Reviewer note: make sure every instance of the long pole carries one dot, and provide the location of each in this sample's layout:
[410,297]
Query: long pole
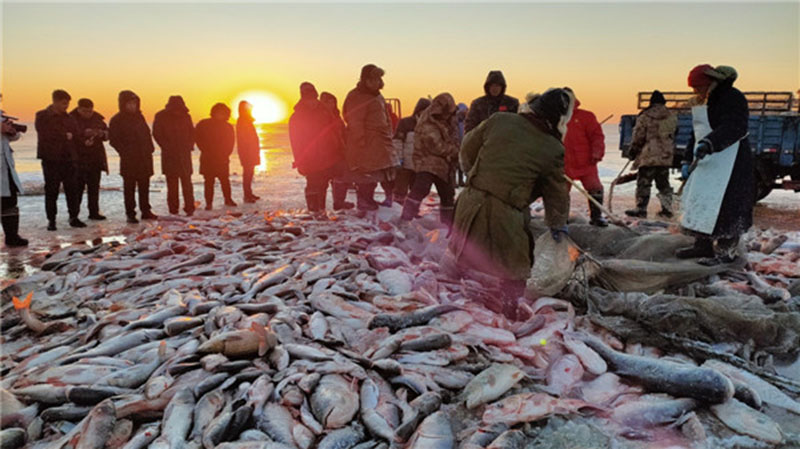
[608,213]
[614,183]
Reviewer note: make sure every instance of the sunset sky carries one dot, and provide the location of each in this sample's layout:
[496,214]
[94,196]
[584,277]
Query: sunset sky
[211,52]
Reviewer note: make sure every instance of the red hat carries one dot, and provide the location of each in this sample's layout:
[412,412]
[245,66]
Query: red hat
[698,76]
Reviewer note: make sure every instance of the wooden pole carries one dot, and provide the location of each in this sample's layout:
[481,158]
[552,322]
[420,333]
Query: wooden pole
[608,213]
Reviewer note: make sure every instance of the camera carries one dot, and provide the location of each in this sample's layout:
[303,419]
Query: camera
[17,127]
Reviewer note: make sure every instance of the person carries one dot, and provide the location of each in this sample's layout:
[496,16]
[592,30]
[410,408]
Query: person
[248,147]
[652,146]
[728,115]
[403,142]
[513,159]
[10,186]
[341,183]
[57,131]
[435,157]
[173,130]
[494,100]
[215,139]
[92,159]
[316,146]
[585,148]
[130,136]
[369,151]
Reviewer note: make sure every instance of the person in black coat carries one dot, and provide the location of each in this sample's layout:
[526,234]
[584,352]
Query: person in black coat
[173,130]
[57,132]
[728,116]
[248,147]
[130,136]
[92,159]
[495,100]
[215,138]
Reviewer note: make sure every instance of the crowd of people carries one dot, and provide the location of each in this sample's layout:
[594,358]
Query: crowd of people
[510,153]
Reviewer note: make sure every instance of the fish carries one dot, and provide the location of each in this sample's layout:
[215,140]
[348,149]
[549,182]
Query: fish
[650,411]
[682,380]
[209,405]
[483,436]
[238,343]
[767,392]
[744,420]
[123,429]
[529,407]
[334,401]
[396,322]
[510,439]
[564,374]
[37,326]
[12,438]
[277,422]
[435,432]
[588,357]
[420,408]
[490,384]
[344,438]
[98,427]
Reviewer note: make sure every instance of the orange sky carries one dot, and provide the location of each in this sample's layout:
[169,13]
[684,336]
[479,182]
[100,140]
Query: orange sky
[212,52]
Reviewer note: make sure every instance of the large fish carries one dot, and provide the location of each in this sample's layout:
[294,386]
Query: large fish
[334,402]
[435,432]
[529,407]
[490,384]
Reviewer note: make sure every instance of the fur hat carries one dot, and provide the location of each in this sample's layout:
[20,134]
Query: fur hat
[555,107]
[700,76]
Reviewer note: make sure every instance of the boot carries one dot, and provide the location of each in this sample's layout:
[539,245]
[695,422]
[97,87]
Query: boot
[51,225]
[10,223]
[641,208]
[339,193]
[76,223]
[312,202]
[364,196]
[410,209]
[725,252]
[703,247]
[666,204]
[387,202]
[596,214]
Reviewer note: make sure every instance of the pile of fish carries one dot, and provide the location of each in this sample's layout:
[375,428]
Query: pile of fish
[284,330]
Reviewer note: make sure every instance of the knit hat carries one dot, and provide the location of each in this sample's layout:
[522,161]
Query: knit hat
[85,103]
[700,76]
[657,98]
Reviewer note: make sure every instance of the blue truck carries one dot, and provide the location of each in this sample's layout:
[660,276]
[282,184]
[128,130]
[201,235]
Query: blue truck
[774,136]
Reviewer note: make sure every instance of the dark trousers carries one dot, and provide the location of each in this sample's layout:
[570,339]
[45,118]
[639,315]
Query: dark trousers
[247,180]
[130,184]
[56,174]
[317,189]
[208,187]
[89,180]
[403,181]
[185,182]
[421,188]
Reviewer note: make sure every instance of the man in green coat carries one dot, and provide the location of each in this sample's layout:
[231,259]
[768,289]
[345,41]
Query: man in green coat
[511,160]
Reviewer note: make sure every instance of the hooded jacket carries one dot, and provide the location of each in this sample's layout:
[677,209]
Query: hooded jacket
[403,139]
[653,137]
[483,107]
[174,132]
[436,139]
[130,137]
[248,146]
[215,139]
[368,137]
[91,151]
[584,143]
[315,135]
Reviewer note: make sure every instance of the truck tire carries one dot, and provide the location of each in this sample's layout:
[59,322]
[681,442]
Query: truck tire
[763,186]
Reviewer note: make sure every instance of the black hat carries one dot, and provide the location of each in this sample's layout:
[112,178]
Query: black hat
[85,103]
[371,71]
[657,98]
[551,105]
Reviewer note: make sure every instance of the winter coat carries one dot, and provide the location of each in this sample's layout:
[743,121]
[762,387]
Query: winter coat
[173,130]
[584,142]
[436,139]
[483,107]
[7,166]
[728,115]
[403,139]
[215,139]
[248,145]
[512,160]
[368,137]
[91,156]
[130,136]
[653,137]
[51,132]
[316,138]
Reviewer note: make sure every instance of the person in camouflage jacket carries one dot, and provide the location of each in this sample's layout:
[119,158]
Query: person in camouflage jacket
[653,145]
[435,157]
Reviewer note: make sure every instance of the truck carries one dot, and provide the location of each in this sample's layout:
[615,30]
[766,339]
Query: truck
[774,134]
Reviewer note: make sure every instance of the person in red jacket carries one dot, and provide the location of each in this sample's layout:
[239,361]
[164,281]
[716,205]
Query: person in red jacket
[585,147]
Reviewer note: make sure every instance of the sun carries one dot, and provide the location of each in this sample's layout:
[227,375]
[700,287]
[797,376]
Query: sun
[267,107]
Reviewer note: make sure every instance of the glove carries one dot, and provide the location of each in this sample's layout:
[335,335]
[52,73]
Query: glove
[633,153]
[703,149]
[685,171]
[558,234]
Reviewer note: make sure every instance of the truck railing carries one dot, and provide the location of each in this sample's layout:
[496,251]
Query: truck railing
[760,103]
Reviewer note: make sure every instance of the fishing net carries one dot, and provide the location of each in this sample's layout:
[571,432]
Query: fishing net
[553,264]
